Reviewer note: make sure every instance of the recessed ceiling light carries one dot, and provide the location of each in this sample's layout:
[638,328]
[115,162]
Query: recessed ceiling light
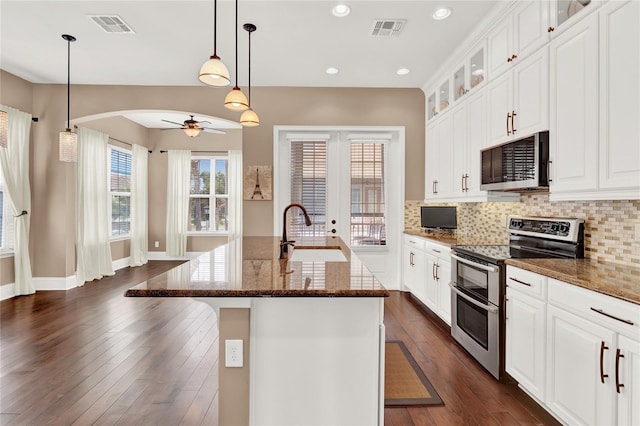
[341,10]
[332,70]
[403,71]
[441,13]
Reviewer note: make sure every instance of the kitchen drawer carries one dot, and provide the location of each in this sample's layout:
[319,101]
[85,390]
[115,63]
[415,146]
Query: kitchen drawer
[615,314]
[530,283]
[437,250]
[414,242]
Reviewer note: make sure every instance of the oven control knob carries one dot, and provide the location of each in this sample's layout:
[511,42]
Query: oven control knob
[554,227]
[564,229]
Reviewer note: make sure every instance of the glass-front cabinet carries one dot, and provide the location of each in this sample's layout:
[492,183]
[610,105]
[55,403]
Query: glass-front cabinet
[460,86]
[431,106]
[444,96]
[477,69]
[563,10]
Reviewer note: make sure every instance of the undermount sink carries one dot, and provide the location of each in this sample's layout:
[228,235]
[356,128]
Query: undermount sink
[301,254]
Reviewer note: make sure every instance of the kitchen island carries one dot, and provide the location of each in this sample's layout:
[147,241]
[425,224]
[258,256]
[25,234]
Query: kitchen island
[312,331]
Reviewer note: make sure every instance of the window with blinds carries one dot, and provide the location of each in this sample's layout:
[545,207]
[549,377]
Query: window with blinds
[120,189]
[308,187]
[367,194]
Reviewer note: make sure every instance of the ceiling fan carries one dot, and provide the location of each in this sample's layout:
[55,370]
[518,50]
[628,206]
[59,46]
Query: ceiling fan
[193,127]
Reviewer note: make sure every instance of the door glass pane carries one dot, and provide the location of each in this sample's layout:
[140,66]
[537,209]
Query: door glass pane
[459,79]
[308,187]
[473,321]
[477,68]
[431,105]
[444,96]
[367,194]
[567,8]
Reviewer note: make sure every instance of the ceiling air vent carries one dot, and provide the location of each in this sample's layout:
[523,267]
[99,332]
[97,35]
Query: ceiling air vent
[387,27]
[112,24]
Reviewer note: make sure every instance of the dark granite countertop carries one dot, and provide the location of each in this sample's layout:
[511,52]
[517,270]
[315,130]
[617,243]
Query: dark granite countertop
[250,267]
[620,281]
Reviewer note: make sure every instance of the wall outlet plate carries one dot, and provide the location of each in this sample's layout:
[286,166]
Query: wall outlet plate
[233,353]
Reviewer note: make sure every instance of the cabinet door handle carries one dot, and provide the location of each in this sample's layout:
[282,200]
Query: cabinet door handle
[549,171]
[437,251]
[509,59]
[508,117]
[434,273]
[618,384]
[435,182]
[602,348]
[550,29]
[513,57]
[411,259]
[520,282]
[513,128]
[437,267]
[466,182]
[462,183]
[601,312]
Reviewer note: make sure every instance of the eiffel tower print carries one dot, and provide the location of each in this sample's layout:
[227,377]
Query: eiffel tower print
[257,191]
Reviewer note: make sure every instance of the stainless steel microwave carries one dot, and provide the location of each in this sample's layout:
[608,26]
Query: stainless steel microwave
[519,165]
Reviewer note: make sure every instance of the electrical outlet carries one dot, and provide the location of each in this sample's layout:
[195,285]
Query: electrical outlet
[156,244]
[233,353]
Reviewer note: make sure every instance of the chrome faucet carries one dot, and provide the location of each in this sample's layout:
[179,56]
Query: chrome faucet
[284,244]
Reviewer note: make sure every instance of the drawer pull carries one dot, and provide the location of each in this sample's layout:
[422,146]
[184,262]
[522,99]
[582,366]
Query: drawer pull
[520,282]
[618,384]
[601,312]
[437,251]
[602,348]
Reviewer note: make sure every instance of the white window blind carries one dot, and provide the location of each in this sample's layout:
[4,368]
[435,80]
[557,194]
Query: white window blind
[120,189]
[209,198]
[367,193]
[308,187]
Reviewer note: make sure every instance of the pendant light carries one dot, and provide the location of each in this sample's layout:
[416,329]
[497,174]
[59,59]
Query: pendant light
[68,141]
[235,99]
[4,129]
[249,118]
[214,72]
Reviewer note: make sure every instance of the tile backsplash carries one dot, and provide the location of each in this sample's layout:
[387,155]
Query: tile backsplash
[612,228]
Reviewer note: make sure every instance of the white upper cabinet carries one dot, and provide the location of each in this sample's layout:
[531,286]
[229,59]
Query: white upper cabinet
[573,132]
[594,138]
[519,100]
[620,95]
[439,158]
[521,33]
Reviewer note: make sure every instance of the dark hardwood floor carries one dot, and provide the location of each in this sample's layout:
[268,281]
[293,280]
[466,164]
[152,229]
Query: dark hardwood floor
[91,356]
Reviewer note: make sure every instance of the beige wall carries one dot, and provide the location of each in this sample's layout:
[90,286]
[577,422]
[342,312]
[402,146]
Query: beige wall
[53,182]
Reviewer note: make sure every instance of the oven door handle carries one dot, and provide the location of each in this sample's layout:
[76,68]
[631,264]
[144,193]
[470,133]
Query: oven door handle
[475,265]
[487,308]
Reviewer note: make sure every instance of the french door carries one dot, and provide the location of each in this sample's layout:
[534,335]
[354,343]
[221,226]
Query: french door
[351,182]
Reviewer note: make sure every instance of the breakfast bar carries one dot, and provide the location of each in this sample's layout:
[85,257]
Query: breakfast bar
[310,327]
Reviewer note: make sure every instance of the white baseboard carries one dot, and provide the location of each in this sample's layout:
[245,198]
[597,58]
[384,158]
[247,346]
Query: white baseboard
[7,291]
[54,283]
[121,263]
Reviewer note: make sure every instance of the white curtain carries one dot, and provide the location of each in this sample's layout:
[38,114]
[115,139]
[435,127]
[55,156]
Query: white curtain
[92,207]
[178,201]
[235,194]
[14,161]
[139,206]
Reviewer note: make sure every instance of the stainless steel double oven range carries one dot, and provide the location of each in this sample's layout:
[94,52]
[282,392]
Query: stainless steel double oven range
[478,281]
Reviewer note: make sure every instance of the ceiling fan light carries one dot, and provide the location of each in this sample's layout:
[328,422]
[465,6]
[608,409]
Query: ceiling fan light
[192,132]
[214,73]
[249,118]
[68,145]
[4,129]
[236,100]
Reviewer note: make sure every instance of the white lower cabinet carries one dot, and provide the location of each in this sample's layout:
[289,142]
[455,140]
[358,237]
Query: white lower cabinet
[579,369]
[628,381]
[574,350]
[525,342]
[426,274]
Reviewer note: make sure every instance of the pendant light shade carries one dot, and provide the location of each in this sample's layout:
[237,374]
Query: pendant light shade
[68,141]
[249,118]
[235,99]
[4,129]
[214,72]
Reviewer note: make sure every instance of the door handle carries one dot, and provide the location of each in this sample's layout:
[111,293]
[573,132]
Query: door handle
[435,185]
[437,267]
[488,308]
[462,183]
[513,129]
[508,117]
[433,271]
[602,348]
[411,259]
[473,264]
[618,384]
[466,182]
